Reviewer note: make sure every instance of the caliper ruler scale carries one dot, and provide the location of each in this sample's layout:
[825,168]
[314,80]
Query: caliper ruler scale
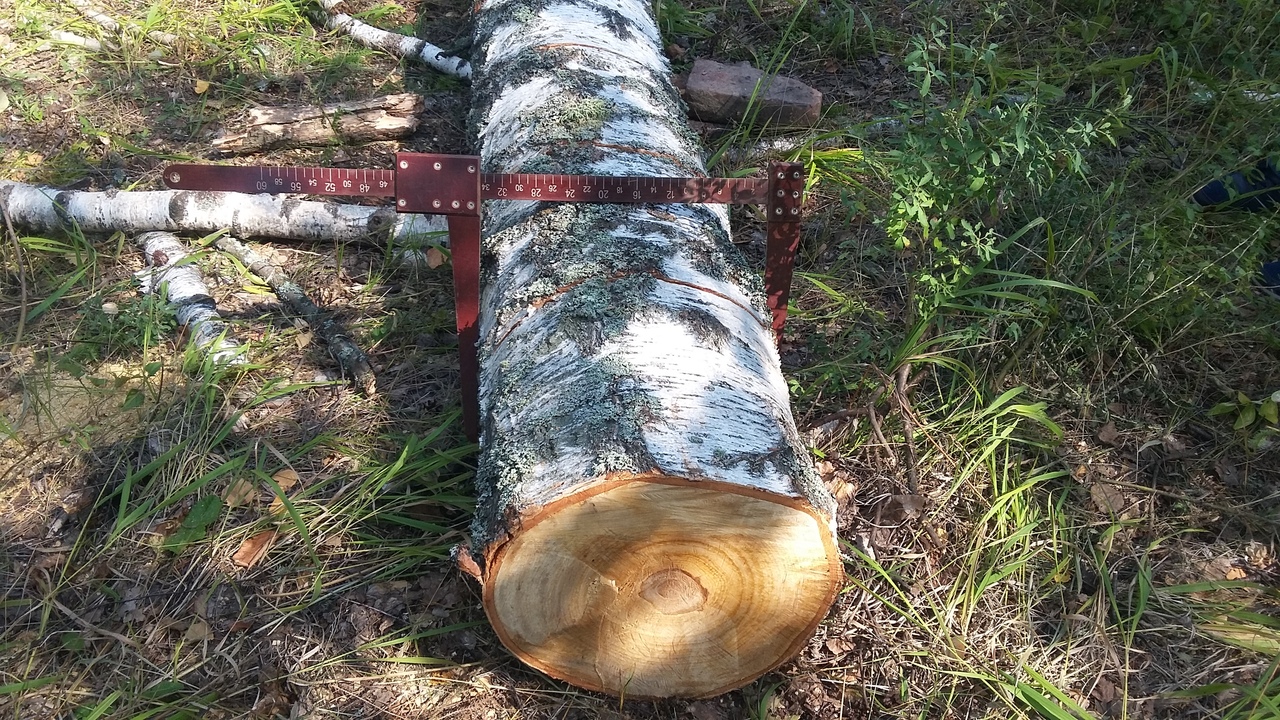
[452,185]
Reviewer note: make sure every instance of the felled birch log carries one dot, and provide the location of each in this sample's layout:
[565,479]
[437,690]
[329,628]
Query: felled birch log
[382,118]
[402,46]
[170,270]
[45,209]
[649,523]
[350,358]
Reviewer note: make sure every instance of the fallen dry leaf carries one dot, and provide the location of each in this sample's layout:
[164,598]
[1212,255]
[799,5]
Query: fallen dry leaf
[1236,573]
[1226,471]
[253,549]
[1109,435]
[435,258]
[198,631]
[826,470]
[912,505]
[1104,690]
[286,479]
[1107,498]
[241,492]
[202,86]
[303,339]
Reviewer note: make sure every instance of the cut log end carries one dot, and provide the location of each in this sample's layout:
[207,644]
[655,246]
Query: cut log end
[661,587]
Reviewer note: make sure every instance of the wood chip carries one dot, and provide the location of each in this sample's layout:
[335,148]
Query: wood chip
[252,550]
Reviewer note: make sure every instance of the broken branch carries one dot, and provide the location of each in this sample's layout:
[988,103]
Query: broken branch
[350,358]
[169,266]
[396,44]
[382,118]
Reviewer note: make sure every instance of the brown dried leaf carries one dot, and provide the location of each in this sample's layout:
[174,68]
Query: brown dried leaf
[912,505]
[1109,435]
[826,470]
[1107,498]
[198,631]
[1226,471]
[286,479]
[253,549]
[241,492]
[1104,690]
[277,506]
[435,258]
[1235,573]
[303,339]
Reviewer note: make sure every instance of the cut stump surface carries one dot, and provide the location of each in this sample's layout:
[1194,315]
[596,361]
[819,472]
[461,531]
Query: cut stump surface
[655,586]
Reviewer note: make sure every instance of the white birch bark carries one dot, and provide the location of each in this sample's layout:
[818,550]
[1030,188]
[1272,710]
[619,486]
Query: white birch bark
[614,339]
[110,24]
[45,209]
[402,46]
[169,270]
[648,519]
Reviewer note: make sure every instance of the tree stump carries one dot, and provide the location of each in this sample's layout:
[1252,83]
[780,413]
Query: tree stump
[649,523]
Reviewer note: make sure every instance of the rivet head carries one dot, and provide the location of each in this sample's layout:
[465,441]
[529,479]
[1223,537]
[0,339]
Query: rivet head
[436,165]
[456,204]
[795,211]
[782,176]
[781,194]
[777,211]
[435,203]
[795,193]
[471,168]
[471,205]
[404,164]
[796,175]
[401,202]
[174,177]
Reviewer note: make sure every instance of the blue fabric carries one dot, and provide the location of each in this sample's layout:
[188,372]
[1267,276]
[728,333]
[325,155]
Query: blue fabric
[1270,279]
[1254,189]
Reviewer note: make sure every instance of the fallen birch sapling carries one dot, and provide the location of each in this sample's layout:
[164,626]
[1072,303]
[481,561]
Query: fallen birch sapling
[170,269]
[350,358]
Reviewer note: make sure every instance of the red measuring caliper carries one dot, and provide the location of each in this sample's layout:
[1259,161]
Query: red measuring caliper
[453,185]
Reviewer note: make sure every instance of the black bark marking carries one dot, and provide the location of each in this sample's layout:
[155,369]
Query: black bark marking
[178,208]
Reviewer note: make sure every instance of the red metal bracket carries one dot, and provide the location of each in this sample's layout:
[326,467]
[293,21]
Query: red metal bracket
[453,185]
[786,191]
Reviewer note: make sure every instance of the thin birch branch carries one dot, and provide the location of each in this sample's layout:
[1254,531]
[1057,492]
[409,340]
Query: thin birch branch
[67,38]
[96,16]
[350,358]
[169,267]
[45,209]
[401,46]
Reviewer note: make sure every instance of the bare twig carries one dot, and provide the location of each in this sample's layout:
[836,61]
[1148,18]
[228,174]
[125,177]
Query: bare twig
[908,428]
[396,44]
[349,356]
[91,627]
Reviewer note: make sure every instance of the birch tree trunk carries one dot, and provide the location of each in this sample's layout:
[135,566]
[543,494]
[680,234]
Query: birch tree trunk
[649,523]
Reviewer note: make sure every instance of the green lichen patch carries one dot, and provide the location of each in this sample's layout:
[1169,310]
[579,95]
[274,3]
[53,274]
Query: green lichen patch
[599,411]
